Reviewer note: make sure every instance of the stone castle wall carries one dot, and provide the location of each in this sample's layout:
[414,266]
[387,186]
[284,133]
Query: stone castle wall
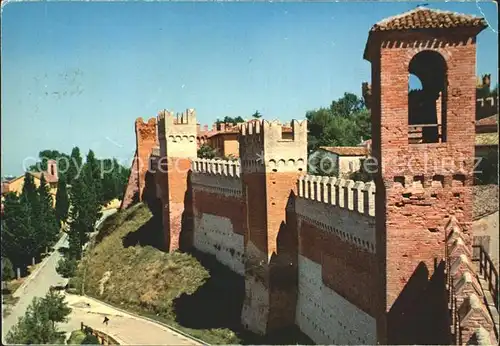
[311,249]
[218,211]
[337,260]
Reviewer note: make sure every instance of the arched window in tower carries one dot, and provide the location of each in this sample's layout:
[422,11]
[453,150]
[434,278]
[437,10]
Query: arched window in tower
[427,98]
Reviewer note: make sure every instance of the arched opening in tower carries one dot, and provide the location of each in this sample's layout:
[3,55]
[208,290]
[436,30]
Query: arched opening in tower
[427,86]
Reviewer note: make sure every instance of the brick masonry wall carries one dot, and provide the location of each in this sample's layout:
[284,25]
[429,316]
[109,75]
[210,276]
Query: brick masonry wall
[147,139]
[132,184]
[177,203]
[279,187]
[327,317]
[255,311]
[411,217]
[218,226]
[339,244]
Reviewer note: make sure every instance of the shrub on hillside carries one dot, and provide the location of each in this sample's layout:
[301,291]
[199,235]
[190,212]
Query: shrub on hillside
[143,278]
[7,269]
[66,267]
[90,340]
[76,337]
[38,325]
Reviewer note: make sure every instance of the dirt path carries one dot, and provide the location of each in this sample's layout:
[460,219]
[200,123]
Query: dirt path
[125,328]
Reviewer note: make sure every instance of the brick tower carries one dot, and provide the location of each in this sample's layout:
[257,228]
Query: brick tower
[177,137]
[272,158]
[423,141]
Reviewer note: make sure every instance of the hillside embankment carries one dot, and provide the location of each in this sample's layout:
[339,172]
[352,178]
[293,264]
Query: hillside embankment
[124,268]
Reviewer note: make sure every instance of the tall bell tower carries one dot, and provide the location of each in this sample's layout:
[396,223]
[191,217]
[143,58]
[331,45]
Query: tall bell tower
[423,142]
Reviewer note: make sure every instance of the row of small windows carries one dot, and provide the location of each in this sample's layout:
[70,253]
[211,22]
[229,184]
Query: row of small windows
[437,180]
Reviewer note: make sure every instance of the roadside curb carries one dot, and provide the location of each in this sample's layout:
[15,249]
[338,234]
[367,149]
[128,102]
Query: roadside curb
[173,329]
[44,262]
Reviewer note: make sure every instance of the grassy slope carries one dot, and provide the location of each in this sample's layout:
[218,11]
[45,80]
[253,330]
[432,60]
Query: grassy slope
[143,279]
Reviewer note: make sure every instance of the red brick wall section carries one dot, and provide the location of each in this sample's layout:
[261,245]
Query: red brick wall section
[176,187]
[254,195]
[346,269]
[132,185]
[410,222]
[279,186]
[147,139]
[220,205]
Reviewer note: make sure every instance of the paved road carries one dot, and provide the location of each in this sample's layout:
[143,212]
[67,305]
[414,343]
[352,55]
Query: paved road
[125,328]
[39,283]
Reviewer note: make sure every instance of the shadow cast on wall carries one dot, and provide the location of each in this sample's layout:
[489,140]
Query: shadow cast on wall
[420,314]
[186,236]
[151,232]
[216,304]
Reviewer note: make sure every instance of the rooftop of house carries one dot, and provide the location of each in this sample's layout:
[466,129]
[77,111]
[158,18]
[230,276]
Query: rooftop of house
[347,151]
[425,18]
[491,120]
[49,178]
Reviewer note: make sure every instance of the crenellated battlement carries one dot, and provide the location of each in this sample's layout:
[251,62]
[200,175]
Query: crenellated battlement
[177,133]
[465,294]
[487,101]
[353,195]
[270,144]
[217,176]
[145,129]
[216,167]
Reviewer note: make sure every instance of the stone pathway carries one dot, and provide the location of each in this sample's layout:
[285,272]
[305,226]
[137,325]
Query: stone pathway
[127,329]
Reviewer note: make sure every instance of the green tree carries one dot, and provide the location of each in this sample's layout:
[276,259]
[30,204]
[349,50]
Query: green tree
[38,325]
[7,270]
[62,200]
[29,188]
[93,173]
[345,123]
[347,105]
[90,339]
[257,115]
[206,152]
[230,120]
[324,165]
[20,240]
[66,267]
[56,308]
[75,165]
[79,216]
[49,226]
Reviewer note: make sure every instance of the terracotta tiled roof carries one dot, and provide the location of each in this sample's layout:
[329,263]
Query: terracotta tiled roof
[492,120]
[347,151]
[49,178]
[424,18]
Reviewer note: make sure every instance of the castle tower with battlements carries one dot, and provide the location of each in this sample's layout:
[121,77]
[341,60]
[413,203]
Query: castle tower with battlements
[177,139]
[270,166]
[425,155]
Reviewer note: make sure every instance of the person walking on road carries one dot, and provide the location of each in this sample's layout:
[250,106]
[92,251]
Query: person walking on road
[106,320]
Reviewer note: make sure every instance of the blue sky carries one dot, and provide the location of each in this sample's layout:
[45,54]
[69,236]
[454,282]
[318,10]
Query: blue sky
[80,73]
